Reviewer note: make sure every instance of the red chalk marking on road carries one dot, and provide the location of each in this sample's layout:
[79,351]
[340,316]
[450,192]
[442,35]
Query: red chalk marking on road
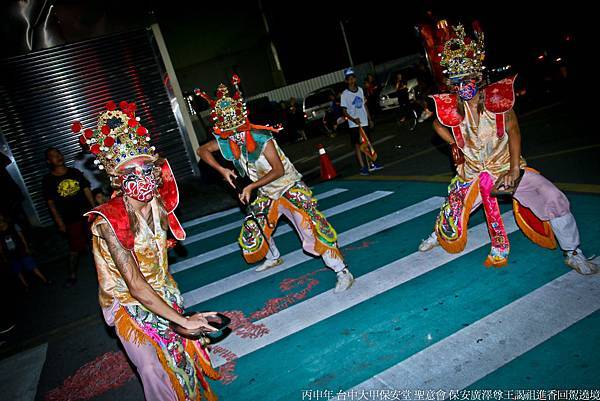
[275,305]
[363,245]
[244,327]
[112,369]
[227,371]
[106,372]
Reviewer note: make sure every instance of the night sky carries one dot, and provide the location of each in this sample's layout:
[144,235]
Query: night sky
[309,39]
[307,33]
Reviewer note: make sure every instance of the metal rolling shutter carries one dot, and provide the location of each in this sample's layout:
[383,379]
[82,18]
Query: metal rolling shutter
[44,91]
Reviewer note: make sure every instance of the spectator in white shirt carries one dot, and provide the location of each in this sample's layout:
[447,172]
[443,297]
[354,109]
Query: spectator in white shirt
[355,109]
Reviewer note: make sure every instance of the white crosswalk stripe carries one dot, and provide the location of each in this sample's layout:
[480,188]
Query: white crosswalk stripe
[325,305]
[237,224]
[470,354]
[233,210]
[452,363]
[233,247]
[294,258]
[210,217]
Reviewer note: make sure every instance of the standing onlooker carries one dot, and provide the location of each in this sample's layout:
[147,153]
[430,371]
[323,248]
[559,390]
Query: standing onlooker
[84,162]
[282,113]
[426,87]
[282,119]
[372,93]
[355,109]
[8,294]
[335,115]
[12,197]
[99,196]
[68,195]
[402,96]
[15,253]
[296,122]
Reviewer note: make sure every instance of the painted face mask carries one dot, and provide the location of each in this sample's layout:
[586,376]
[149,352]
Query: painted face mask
[139,183]
[467,91]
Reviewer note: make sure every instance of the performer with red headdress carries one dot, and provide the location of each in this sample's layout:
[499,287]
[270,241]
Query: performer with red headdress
[255,153]
[481,127]
[137,294]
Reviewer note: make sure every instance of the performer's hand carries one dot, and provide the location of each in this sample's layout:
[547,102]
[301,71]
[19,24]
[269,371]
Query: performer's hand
[246,194]
[510,177]
[457,155]
[61,226]
[229,176]
[356,121]
[198,321]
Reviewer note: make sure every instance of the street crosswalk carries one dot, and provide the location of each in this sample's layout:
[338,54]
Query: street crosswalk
[489,343]
[419,321]
[296,257]
[236,224]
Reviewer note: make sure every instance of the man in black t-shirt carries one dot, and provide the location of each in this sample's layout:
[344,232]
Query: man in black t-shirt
[68,195]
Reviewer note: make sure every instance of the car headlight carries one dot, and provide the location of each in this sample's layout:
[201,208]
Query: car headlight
[384,97]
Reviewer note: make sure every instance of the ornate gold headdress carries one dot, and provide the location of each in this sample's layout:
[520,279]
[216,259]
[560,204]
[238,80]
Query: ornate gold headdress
[118,138]
[462,56]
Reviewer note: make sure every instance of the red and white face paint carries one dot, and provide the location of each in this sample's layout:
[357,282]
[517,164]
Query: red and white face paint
[139,183]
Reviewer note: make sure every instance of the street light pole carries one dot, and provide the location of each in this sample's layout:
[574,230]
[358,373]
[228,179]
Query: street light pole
[279,70]
[347,44]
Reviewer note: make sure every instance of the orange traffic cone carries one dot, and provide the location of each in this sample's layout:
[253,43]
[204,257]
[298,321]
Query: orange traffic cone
[327,170]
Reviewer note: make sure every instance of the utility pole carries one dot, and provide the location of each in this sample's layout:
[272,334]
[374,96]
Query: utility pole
[347,44]
[278,73]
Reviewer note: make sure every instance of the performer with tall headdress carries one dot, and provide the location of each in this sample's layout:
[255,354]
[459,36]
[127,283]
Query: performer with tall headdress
[255,154]
[479,123]
[137,294]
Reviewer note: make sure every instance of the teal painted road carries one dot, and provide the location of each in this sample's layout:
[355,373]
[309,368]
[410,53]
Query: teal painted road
[353,345]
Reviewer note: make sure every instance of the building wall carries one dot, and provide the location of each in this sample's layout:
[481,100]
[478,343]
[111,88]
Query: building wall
[43,92]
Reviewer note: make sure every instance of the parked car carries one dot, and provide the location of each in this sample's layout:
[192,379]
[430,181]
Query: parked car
[316,104]
[387,96]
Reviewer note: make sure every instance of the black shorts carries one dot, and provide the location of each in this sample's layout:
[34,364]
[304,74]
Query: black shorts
[355,135]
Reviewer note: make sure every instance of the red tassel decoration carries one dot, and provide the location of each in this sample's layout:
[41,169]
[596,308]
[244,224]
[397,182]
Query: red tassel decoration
[250,142]
[235,149]
[458,136]
[500,125]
